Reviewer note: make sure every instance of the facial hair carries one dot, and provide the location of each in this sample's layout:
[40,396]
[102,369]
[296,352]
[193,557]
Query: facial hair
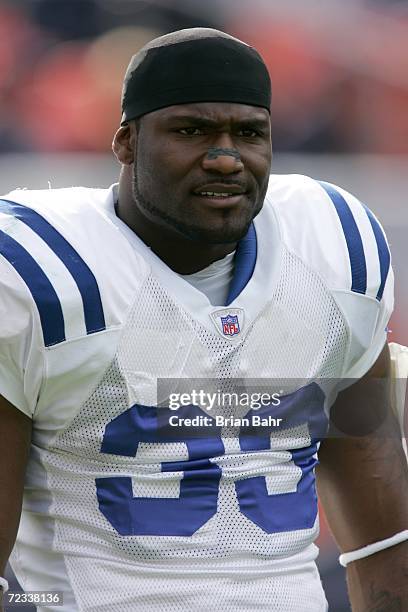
[189,231]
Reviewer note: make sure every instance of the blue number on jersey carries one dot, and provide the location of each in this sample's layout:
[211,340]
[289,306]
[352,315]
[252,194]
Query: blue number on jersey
[197,502]
[297,509]
[199,485]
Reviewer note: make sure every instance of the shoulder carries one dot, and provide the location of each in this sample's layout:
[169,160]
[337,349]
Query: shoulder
[332,232]
[73,210]
[338,238]
[74,270]
[56,207]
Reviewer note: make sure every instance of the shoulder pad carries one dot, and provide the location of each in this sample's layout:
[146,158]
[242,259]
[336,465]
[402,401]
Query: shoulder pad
[332,232]
[55,240]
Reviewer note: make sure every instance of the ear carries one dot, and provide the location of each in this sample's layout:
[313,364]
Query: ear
[123,145]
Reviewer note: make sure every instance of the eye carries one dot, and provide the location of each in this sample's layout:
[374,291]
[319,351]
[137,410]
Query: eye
[191,131]
[248,133]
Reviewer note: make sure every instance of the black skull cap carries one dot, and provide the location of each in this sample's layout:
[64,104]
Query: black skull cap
[194,65]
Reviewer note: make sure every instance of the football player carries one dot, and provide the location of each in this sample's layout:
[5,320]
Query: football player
[399,375]
[197,273]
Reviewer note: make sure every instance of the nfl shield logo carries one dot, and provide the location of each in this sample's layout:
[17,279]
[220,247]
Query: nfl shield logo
[230,325]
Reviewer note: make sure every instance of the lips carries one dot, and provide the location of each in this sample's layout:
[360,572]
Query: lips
[220,190]
[219,200]
[214,194]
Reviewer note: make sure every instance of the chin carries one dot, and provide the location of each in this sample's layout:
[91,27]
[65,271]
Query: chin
[219,227]
[224,235]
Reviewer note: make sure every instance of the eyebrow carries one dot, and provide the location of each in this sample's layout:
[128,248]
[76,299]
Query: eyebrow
[261,123]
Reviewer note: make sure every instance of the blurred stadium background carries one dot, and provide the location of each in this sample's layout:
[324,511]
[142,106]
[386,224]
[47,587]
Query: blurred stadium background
[340,89]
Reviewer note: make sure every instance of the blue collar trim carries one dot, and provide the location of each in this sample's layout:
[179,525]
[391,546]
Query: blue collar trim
[244,264]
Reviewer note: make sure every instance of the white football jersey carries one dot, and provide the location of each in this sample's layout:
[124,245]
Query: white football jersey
[124,511]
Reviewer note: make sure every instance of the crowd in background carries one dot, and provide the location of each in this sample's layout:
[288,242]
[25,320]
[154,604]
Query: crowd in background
[340,72]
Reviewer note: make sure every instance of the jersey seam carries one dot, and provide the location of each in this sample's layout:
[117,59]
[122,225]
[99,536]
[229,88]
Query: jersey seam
[83,336]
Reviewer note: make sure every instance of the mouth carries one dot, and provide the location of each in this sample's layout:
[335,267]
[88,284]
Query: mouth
[220,195]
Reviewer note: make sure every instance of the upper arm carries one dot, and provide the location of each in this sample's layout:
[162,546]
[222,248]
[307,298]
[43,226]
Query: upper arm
[21,345]
[15,439]
[363,474]
[21,370]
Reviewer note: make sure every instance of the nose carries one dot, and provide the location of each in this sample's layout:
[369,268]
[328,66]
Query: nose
[222,159]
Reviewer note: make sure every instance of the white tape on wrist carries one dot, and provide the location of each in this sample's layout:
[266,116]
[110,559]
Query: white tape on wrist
[366,551]
[4,585]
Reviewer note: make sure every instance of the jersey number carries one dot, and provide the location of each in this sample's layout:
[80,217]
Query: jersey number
[197,502]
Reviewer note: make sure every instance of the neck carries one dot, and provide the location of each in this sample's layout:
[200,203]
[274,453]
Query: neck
[181,254]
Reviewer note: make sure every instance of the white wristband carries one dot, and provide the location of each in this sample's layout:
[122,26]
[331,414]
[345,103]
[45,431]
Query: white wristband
[366,551]
[4,585]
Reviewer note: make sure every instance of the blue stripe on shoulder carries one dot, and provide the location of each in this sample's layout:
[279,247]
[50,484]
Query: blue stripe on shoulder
[353,239]
[80,272]
[383,251]
[45,297]
[244,264]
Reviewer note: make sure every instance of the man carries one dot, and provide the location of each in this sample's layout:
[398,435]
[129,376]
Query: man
[115,300]
[399,375]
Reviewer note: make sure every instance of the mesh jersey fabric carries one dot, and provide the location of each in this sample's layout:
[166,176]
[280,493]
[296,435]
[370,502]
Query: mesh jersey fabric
[243,554]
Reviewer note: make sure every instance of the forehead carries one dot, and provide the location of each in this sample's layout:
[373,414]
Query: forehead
[220,112]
